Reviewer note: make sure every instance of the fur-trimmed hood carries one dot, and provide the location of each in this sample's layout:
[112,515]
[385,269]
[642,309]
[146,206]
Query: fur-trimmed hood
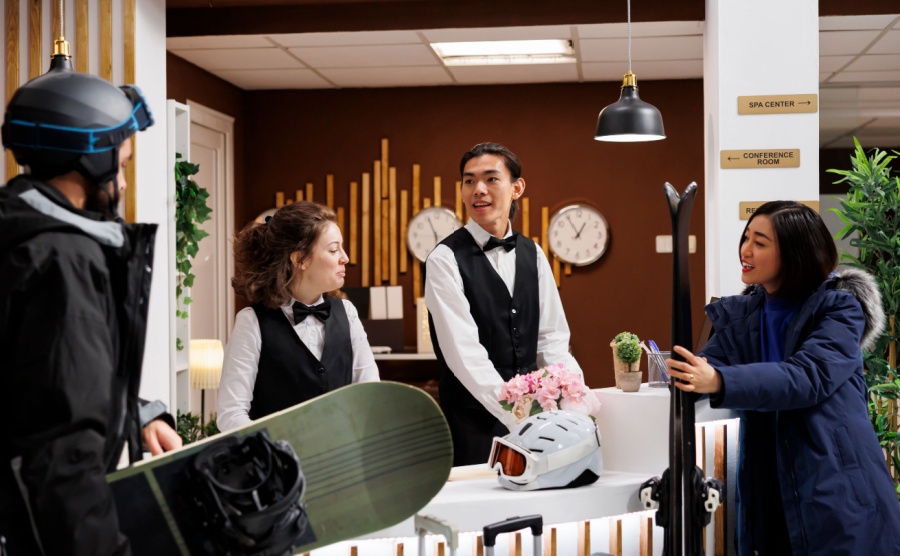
[862,285]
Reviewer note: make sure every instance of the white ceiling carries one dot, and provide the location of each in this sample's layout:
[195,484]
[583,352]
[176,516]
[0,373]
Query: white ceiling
[859,63]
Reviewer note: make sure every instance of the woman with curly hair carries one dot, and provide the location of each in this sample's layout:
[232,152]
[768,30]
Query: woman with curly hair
[298,339]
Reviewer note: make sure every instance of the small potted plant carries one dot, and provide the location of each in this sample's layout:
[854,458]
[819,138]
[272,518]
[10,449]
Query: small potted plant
[627,361]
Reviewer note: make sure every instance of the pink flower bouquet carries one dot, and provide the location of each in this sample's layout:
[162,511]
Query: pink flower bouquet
[551,387]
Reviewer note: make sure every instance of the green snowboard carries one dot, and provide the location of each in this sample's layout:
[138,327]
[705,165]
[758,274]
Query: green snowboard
[373,455]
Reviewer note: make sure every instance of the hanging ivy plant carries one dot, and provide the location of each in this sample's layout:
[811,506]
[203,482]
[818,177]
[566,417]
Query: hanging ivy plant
[190,210]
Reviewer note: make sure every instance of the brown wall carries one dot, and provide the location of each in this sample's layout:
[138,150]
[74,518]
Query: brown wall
[185,81]
[294,137]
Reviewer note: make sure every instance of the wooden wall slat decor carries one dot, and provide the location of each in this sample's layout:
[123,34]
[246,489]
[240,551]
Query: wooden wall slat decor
[82,48]
[34,38]
[404,210]
[515,545]
[615,536]
[526,214]
[550,541]
[354,201]
[385,241]
[104,8]
[329,191]
[384,168]
[31,49]
[417,175]
[376,222]
[12,70]
[646,548]
[54,22]
[364,270]
[720,471]
[583,540]
[392,224]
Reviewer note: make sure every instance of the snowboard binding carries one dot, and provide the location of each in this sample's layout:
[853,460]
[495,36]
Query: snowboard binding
[250,491]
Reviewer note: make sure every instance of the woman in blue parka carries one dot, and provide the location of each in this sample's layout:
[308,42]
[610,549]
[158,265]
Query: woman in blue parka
[811,477]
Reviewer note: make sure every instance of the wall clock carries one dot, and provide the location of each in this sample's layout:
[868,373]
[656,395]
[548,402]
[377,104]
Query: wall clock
[428,228]
[578,234]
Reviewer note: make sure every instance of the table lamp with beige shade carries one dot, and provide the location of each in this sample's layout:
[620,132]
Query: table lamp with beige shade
[206,358]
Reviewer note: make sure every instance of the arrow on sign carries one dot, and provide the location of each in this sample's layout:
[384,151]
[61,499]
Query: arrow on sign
[734,158]
[804,102]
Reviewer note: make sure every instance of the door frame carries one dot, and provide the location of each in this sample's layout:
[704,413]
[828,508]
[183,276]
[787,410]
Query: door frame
[224,124]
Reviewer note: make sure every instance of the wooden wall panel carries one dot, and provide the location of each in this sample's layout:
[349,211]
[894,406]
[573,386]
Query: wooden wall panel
[34,38]
[82,48]
[128,51]
[104,8]
[31,48]
[12,69]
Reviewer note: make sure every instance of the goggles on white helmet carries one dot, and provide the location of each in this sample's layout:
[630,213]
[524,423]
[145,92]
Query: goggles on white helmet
[553,449]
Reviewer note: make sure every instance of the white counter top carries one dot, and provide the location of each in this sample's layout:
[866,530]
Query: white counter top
[634,437]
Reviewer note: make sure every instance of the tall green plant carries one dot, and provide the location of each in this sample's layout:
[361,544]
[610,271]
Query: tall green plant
[190,210]
[872,209]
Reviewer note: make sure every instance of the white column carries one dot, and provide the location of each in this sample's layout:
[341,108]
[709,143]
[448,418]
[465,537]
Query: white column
[152,200]
[763,47]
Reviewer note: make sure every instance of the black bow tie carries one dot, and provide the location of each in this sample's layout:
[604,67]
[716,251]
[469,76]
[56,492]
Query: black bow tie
[321,311]
[509,243]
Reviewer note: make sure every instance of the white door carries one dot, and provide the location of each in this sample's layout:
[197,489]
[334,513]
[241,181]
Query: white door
[212,308]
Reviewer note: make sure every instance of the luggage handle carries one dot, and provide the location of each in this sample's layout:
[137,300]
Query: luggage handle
[535,522]
[425,524]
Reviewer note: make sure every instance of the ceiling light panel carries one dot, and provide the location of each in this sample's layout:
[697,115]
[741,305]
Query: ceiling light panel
[483,53]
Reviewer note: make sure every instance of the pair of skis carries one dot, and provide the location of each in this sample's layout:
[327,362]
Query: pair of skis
[684,500]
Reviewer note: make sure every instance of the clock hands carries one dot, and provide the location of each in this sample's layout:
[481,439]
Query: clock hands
[578,234]
[436,238]
[577,230]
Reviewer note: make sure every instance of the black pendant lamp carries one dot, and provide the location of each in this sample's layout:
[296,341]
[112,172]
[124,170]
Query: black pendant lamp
[629,119]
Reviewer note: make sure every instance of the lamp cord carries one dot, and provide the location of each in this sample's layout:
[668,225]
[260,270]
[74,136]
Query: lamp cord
[62,17]
[629,36]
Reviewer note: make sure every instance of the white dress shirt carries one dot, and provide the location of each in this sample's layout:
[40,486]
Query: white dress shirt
[242,358]
[457,331]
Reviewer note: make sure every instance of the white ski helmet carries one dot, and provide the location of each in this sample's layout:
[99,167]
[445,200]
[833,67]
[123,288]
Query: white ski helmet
[553,449]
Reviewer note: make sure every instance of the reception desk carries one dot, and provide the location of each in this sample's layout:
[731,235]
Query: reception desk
[604,517]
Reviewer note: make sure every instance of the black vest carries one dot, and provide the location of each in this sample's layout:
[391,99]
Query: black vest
[507,326]
[288,372]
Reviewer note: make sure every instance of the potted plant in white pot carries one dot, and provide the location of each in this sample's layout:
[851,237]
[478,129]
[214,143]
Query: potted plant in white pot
[627,361]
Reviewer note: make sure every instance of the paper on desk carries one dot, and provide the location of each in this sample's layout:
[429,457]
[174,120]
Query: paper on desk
[470,472]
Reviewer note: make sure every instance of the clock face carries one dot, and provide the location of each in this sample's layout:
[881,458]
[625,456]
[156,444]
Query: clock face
[428,228]
[578,234]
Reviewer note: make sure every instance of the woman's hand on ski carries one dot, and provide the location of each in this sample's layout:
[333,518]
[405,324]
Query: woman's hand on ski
[695,374]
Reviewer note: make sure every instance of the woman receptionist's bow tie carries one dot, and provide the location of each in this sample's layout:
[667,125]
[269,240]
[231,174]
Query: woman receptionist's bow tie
[509,243]
[321,311]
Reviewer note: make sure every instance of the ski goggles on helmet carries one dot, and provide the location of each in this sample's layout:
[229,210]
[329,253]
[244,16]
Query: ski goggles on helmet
[521,465]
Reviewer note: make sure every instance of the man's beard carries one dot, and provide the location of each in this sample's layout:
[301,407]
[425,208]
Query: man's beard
[99,200]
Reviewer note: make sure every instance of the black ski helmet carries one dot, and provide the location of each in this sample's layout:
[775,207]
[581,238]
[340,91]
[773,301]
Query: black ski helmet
[65,120]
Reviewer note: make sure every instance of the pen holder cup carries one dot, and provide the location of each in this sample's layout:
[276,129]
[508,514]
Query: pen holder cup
[657,377]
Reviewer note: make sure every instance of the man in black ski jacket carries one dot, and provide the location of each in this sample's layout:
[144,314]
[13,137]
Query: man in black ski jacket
[74,289]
